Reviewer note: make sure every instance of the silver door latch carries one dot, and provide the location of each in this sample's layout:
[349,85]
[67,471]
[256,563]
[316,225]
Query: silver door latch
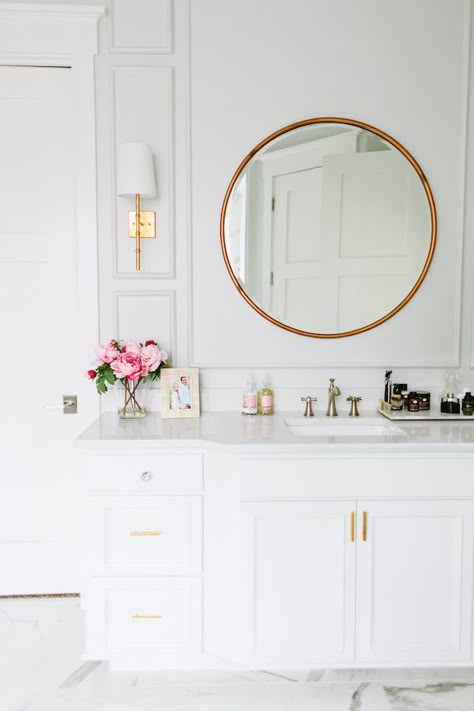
[70,404]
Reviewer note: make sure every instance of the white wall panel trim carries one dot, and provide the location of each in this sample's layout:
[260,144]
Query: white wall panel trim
[319,365]
[164,14]
[455,350]
[166,340]
[468,285]
[16,9]
[460,227]
[170,205]
[56,33]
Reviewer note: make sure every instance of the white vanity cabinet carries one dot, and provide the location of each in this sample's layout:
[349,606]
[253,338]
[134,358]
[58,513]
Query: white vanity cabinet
[260,552]
[365,582]
[142,592]
[328,579]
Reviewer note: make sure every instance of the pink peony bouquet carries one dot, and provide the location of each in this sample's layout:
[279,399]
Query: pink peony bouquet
[127,361]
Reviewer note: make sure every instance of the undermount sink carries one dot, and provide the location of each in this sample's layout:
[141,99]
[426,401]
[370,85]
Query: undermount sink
[343,427]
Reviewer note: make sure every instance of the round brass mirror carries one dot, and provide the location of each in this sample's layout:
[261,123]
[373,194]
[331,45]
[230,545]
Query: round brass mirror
[328,227]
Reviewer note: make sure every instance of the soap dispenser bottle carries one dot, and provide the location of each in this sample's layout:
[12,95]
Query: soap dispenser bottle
[265,397]
[249,398]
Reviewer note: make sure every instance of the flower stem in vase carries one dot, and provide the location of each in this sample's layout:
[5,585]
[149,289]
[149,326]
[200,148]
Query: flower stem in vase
[131,406]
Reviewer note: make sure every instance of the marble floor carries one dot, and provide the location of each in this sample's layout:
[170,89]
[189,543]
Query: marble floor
[41,670]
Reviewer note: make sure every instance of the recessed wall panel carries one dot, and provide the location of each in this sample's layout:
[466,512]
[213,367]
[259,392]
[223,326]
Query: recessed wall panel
[143,111]
[149,315]
[142,26]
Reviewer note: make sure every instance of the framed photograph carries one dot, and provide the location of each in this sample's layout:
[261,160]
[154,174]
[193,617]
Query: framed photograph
[179,392]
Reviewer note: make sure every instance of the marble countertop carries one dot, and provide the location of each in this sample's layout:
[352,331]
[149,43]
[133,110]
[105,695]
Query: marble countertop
[263,433]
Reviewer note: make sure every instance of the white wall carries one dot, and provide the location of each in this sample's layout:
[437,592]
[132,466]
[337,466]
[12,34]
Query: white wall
[203,83]
[401,66]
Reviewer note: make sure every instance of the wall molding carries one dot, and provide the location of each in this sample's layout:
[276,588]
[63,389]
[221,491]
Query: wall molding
[459,355]
[166,48]
[167,296]
[25,10]
[56,34]
[171,205]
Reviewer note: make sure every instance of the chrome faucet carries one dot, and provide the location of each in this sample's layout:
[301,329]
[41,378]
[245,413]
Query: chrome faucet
[333,393]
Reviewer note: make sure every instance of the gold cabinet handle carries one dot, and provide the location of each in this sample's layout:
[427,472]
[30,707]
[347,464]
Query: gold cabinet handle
[145,533]
[146,617]
[352,526]
[364,525]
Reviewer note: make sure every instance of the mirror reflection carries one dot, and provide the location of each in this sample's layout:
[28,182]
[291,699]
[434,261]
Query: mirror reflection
[328,227]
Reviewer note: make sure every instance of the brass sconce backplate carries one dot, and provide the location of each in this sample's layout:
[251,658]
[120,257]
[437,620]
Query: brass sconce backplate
[147,224]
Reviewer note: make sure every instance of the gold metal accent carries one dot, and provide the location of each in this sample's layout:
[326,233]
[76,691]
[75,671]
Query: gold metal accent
[333,392]
[352,526]
[146,617]
[308,410]
[145,533]
[353,399]
[140,228]
[364,525]
[138,251]
[403,151]
[147,224]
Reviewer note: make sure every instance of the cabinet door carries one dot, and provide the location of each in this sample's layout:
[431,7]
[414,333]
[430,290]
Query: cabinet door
[414,572]
[298,582]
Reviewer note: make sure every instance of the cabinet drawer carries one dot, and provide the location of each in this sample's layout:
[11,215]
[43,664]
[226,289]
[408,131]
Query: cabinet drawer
[147,614]
[155,534]
[142,473]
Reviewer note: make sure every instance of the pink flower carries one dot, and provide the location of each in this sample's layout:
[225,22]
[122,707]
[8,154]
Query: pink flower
[129,365]
[131,347]
[106,354]
[91,374]
[151,356]
[151,343]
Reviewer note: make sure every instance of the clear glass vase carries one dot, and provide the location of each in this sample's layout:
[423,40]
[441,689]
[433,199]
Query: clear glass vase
[131,397]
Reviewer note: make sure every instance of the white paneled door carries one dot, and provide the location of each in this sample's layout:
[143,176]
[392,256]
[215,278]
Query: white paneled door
[39,333]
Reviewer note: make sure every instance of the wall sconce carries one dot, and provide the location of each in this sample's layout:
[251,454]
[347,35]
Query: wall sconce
[135,178]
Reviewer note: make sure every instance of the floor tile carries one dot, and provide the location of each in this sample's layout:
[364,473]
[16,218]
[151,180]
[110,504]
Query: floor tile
[41,670]
[441,696]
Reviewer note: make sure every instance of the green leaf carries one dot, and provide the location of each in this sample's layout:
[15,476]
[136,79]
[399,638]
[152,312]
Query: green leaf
[110,376]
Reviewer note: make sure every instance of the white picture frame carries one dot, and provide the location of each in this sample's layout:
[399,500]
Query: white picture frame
[180,392]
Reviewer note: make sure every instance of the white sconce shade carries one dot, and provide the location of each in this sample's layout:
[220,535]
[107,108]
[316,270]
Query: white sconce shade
[135,171]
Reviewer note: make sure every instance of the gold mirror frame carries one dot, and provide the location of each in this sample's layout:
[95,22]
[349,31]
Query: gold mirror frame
[427,189]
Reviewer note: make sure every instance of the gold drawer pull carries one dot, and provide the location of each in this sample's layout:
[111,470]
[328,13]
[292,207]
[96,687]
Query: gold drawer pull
[352,526]
[146,617]
[145,533]
[364,525]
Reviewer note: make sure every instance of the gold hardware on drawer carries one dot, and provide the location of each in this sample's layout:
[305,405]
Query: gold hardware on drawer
[352,526]
[146,617]
[364,525]
[145,533]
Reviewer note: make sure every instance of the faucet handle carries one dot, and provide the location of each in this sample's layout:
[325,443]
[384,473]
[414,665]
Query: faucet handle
[308,411]
[353,399]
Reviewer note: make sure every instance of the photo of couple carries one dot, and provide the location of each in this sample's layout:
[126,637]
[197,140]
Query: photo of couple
[180,394]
